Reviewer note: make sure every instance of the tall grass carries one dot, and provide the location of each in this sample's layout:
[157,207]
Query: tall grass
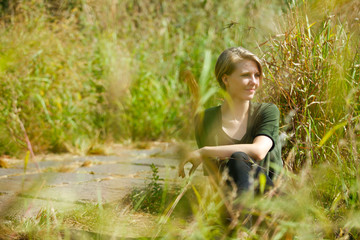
[80,72]
[312,69]
[62,67]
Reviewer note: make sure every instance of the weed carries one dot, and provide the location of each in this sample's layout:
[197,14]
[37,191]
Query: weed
[149,198]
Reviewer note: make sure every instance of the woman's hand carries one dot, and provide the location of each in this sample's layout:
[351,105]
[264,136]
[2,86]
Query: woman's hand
[195,157]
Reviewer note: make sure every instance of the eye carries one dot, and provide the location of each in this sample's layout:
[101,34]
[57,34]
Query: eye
[257,75]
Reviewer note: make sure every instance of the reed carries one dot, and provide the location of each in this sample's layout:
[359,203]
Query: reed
[79,73]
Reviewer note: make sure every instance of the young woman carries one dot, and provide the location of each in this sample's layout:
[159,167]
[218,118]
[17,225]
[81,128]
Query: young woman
[240,134]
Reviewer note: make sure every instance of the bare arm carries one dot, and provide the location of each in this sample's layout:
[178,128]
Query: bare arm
[256,150]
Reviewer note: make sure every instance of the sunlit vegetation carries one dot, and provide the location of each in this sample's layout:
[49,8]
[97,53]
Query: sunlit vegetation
[76,75]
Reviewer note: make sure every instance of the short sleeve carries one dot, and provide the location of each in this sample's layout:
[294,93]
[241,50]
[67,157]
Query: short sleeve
[268,123]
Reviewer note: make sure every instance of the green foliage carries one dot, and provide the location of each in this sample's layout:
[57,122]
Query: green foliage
[153,197]
[79,72]
[312,76]
[75,74]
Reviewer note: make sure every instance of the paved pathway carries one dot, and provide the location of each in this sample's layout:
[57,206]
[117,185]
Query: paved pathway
[78,179]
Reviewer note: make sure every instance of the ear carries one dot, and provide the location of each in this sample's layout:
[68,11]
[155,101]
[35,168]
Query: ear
[225,79]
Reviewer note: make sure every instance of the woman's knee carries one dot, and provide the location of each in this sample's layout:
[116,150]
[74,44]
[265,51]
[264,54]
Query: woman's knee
[240,155]
[238,162]
[239,159]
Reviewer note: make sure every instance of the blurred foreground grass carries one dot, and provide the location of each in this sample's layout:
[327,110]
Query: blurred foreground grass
[77,74]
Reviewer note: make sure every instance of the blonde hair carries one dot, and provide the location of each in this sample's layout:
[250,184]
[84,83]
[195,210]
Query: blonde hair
[225,64]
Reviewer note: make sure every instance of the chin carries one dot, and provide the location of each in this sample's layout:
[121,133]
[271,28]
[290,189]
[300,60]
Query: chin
[249,97]
[246,98]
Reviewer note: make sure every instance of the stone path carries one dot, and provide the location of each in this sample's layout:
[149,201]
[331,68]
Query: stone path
[64,182]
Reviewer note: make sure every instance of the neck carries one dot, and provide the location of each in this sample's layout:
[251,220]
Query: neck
[235,109]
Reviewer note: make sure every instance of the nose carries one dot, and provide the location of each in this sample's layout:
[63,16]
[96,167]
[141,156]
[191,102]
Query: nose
[254,79]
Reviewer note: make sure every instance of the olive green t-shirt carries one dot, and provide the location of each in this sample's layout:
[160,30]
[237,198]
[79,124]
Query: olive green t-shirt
[263,119]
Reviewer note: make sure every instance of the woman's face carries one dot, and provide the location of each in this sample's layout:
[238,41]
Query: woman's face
[242,83]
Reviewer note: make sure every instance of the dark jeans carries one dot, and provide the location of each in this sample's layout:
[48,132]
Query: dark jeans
[240,169]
